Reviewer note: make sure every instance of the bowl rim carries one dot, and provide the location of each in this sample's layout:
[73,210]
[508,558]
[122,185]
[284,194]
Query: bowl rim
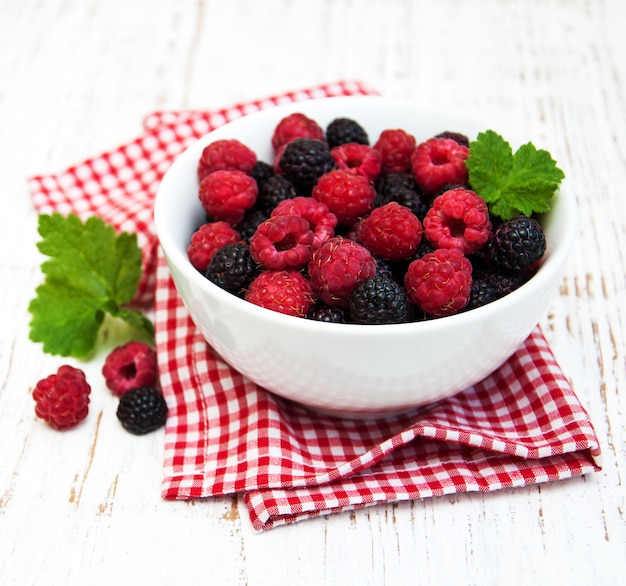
[554,260]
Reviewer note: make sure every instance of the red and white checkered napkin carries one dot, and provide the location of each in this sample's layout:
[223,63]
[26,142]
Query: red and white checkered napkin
[521,425]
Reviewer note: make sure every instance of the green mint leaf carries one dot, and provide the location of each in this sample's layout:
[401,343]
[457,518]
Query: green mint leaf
[91,271]
[512,183]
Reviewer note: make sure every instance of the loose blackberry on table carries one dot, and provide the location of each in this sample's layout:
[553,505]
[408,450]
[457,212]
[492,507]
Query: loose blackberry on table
[142,410]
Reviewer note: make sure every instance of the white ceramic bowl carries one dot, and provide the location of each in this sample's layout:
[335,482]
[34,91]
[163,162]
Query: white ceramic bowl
[348,369]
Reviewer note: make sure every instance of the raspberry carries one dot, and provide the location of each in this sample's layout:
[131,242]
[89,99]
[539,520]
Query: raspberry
[296,126]
[395,146]
[316,213]
[337,267]
[282,242]
[285,291]
[456,136]
[130,366]
[232,268]
[458,218]
[440,282]
[346,194]
[344,130]
[392,232]
[273,191]
[517,245]
[378,300]
[304,161]
[359,158]
[226,195]
[207,239]
[226,154]
[438,161]
[142,410]
[62,399]
[328,314]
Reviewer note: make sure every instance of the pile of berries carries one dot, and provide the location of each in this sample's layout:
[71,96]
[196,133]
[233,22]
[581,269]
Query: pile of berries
[336,230]
[130,373]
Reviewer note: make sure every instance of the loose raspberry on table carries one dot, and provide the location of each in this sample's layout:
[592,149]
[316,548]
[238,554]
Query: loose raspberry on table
[347,195]
[226,154]
[304,161]
[282,242]
[142,410]
[207,239]
[440,282]
[294,126]
[379,300]
[232,268]
[276,189]
[359,158]
[284,291]
[517,245]
[130,366]
[438,161]
[396,147]
[392,232]
[226,195]
[343,130]
[62,399]
[458,218]
[337,267]
[316,213]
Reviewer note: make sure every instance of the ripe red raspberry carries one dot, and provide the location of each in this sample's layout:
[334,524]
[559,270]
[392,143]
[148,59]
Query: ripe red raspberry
[396,147]
[207,239]
[337,267]
[391,231]
[346,194]
[296,125]
[285,291]
[359,158]
[439,282]
[226,195]
[439,161]
[282,242]
[458,218]
[130,366]
[316,213]
[228,155]
[62,399]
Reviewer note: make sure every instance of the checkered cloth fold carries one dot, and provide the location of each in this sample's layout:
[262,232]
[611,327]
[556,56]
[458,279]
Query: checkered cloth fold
[521,425]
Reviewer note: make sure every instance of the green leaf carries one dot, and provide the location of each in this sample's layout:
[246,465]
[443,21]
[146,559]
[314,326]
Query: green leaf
[91,271]
[512,183]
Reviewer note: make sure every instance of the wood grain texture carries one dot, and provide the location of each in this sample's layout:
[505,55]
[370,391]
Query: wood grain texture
[76,78]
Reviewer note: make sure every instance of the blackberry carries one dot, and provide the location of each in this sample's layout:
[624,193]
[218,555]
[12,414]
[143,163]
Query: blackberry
[251,220]
[275,189]
[378,300]
[483,291]
[327,313]
[232,268]
[401,188]
[504,284]
[142,410]
[384,268]
[304,161]
[261,172]
[517,244]
[344,130]
[456,136]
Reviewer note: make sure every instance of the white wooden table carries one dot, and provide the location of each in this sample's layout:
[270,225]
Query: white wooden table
[76,78]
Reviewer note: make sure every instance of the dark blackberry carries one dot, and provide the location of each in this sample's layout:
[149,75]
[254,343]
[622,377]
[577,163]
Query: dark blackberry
[261,172]
[504,284]
[456,136]
[276,189]
[304,161]
[251,220]
[516,245]
[232,268]
[384,268]
[378,300]
[345,130]
[401,188]
[142,410]
[327,314]
[483,291]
